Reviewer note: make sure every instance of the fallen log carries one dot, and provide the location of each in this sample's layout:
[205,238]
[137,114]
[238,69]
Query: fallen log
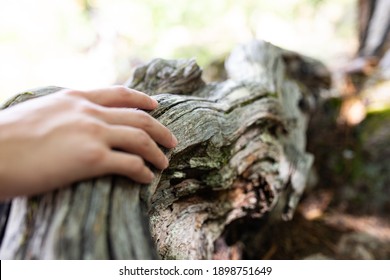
[241,155]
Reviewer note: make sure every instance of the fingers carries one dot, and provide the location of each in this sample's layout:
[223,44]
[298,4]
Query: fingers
[131,135]
[141,120]
[138,142]
[131,166]
[119,96]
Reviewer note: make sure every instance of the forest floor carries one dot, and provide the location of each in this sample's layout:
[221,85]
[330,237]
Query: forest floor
[346,214]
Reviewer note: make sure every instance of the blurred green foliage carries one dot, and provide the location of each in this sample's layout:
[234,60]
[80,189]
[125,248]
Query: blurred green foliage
[91,43]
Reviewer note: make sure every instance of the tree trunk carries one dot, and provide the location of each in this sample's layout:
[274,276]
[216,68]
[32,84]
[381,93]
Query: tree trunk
[374,27]
[241,157]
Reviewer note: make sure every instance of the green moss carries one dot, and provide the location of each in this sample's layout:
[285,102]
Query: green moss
[368,169]
[219,178]
[373,122]
[204,162]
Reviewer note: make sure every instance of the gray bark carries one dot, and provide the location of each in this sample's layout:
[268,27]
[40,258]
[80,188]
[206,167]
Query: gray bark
[241,154]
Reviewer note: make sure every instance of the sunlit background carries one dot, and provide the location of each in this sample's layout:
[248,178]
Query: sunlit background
[87,44]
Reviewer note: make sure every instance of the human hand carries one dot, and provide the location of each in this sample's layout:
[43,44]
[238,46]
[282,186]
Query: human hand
[55,140]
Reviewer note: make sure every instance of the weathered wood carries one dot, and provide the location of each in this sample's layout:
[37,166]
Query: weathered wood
[241,154]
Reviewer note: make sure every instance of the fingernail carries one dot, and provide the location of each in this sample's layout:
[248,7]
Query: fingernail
[154,102]
[174,140]
[151,176]
[166,162]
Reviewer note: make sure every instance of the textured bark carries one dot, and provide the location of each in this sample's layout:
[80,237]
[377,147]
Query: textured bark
[241,155]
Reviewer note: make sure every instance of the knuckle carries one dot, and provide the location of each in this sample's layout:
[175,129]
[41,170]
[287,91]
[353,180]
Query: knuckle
[93,155]
[89,108]
[146,146]
[71,92]
[122,91]
[138,165]
[92,128]
[144,119]
[143,137]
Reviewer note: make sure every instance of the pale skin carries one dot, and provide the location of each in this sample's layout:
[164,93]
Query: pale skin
[53,141]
